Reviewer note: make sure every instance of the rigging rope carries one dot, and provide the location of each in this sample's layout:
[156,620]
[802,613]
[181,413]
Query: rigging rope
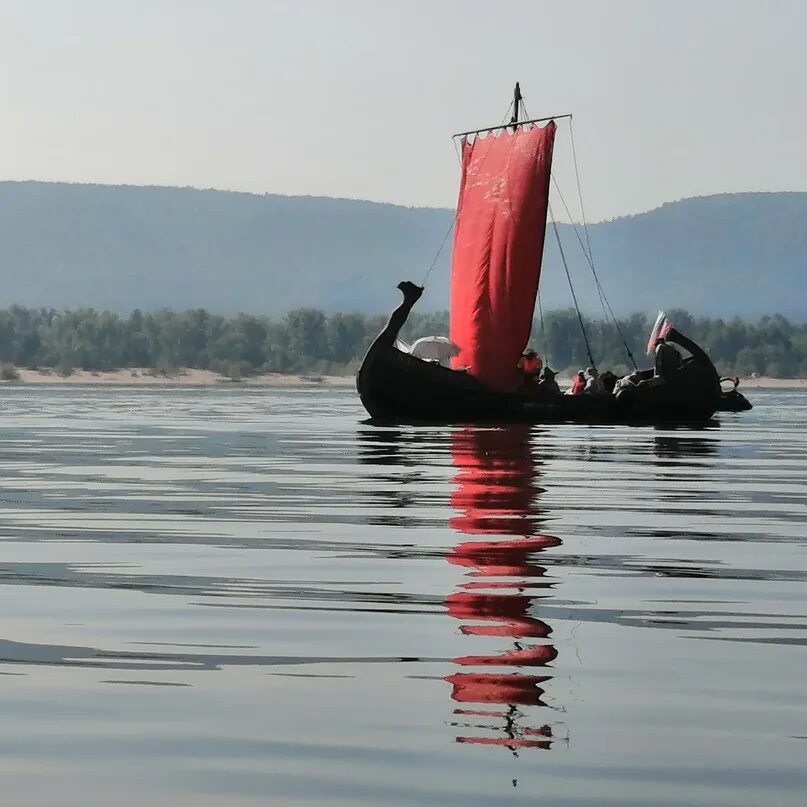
[571,288]
[587,252]
[590,254]
[600,290]
[437,255]
[580,192]
[543,328]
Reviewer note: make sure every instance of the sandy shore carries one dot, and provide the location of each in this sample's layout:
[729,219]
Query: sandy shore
[773,383]
[207,378]
[184,378]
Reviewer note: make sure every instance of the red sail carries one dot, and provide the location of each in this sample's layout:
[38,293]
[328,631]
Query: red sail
[498,244]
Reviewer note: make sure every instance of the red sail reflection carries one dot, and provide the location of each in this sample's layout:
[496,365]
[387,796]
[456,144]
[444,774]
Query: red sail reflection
[496,495]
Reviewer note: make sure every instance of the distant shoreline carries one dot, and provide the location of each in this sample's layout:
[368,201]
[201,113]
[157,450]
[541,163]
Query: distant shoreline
[765,382]
[140,377]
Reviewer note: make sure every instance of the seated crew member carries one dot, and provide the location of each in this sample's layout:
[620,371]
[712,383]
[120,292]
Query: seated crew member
[632,380]
[578,384]
[667,359]
[594,385]
[547,383]
[609,380]
[530,366]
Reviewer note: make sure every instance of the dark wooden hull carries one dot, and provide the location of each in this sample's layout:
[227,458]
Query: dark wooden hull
[397,387]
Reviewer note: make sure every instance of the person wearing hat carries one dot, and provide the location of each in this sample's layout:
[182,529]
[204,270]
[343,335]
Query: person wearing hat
[530,366]
[547,383]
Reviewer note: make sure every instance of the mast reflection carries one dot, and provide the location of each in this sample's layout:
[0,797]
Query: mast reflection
[495,495]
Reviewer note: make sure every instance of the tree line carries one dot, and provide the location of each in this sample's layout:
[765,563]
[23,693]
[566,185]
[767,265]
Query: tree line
[307,340]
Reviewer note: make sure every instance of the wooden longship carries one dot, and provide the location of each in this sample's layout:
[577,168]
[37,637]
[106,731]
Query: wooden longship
[496,266]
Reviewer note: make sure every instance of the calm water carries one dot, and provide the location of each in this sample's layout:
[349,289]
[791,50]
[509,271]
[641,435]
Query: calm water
[245,597]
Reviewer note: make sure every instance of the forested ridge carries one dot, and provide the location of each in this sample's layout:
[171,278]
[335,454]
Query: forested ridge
[309,341]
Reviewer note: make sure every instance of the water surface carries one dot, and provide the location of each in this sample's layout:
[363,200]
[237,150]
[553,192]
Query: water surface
[237,596]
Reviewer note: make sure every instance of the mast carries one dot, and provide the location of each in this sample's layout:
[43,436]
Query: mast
[517,102]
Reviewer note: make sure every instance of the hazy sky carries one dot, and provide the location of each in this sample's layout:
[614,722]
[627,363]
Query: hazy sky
[358,98]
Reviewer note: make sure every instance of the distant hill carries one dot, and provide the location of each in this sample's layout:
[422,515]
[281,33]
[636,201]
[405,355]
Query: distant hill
[121,247]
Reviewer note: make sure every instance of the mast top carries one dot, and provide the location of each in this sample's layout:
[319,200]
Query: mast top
[518,112]
[518,101]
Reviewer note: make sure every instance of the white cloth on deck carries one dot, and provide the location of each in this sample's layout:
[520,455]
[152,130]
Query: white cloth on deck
[435,348]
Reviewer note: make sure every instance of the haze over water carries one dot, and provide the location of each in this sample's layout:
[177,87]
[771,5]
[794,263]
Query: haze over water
[240,596]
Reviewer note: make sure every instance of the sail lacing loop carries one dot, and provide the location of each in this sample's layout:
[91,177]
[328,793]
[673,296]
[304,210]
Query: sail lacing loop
[571,288]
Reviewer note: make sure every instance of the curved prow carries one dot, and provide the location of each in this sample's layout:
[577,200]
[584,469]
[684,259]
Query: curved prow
[708,372]
[411,294]
[386,339]
[696,350]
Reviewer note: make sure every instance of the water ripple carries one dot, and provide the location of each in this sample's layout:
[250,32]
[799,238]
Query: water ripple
[297,605]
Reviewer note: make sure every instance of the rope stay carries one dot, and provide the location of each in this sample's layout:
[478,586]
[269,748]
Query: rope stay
[607,311]
[438,253]
[571,288]
[587,250]
[600,289]
[580,193]
[543,327]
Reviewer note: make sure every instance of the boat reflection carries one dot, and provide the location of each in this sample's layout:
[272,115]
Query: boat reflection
[496,495]
[691,448]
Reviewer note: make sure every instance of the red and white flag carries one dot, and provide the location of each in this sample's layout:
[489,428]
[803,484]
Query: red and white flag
[660,331]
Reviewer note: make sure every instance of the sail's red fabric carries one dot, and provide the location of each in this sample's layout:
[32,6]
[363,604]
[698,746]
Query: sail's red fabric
[498,245]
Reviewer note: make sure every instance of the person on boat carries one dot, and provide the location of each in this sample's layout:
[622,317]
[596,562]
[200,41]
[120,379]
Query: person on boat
[609,380]
[594,385]
[530,366]
[578,384]
[548,384]
[632,380]
[667,359]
